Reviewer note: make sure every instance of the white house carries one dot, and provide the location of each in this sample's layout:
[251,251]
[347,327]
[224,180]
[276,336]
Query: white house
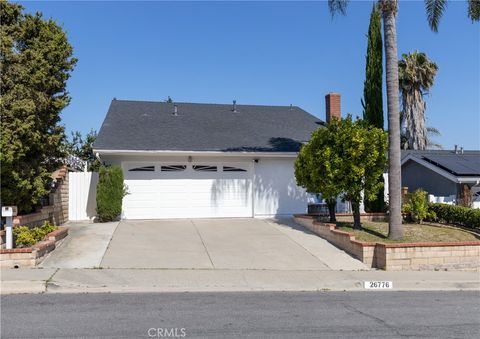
[189,160]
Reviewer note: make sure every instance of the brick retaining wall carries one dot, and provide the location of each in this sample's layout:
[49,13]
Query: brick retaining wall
[396,257]
[429,256]
[57,211]
[31,256]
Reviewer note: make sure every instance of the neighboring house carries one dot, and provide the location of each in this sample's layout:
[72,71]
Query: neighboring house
[441,173]
[183,160]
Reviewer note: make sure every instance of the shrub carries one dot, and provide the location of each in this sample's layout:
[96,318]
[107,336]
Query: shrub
[23,236]
[48,227]
[26,237]
[417,206]
[110,193]
[453,214]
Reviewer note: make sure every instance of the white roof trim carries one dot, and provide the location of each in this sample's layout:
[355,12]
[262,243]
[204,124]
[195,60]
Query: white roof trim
[197,153]
[442,172]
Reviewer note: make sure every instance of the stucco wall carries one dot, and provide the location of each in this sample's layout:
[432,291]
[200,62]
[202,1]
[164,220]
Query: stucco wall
[416,176]
[275,188]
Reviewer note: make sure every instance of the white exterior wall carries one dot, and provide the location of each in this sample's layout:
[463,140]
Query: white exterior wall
[275,189]
[275,192]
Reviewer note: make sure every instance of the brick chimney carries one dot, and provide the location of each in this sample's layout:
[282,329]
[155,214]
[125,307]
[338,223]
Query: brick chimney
[332,106]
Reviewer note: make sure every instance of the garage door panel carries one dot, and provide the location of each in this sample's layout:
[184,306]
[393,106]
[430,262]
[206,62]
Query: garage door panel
[139,203]
[188,193]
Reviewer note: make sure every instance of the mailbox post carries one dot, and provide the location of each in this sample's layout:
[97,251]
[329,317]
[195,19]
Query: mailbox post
[9,212]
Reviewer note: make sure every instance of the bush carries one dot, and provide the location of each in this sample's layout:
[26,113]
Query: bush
[26,237]
[453,214]
[23,236]
[417,206]
[110,193]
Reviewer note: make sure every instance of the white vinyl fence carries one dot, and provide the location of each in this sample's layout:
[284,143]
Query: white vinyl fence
[82,190]
[452,200]
[449,200]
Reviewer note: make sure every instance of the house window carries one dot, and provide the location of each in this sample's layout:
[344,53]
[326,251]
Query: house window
[204,168]
[173,168]
[142,169]
[233,169]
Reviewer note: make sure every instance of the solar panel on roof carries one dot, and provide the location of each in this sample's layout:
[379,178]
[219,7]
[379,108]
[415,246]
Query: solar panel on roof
[459,164]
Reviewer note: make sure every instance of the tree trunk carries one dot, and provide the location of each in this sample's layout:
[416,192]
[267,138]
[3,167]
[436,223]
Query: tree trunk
[356,215]
[393,104]
[331,204]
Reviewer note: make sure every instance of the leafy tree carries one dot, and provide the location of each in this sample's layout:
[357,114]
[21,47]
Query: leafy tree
[36,61]
[345,157]
[83,149]
[416,73]
[310,170]
[110,193]
[388,9]
[372,92]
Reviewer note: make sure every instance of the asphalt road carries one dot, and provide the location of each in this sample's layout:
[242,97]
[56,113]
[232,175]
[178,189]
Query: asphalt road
[253,315]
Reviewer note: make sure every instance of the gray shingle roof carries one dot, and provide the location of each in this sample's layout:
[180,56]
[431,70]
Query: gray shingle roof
[459,164]
[142,125]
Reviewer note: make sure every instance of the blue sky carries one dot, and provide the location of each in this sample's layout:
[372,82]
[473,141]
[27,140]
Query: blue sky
[274,53]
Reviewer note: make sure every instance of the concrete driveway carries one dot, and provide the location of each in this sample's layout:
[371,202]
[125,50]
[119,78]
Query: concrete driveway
[222,244]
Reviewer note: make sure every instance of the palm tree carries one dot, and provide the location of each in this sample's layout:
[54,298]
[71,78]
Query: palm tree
[431,132]
[388,8]
[416,74]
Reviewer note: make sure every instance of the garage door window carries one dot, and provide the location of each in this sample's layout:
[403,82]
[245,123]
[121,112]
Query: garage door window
[173,168]
[233,169]
[204,168]
[142,169]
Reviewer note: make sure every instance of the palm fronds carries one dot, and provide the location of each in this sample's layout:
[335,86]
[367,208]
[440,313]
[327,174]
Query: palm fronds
[435,9]
[338,6]
[474,10]
[433,131]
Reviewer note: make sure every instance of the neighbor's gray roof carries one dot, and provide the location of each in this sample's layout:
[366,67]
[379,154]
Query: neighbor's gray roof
[459,164]
[142,125]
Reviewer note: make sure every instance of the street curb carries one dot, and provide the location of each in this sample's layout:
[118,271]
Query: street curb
[22,287]
[164,281]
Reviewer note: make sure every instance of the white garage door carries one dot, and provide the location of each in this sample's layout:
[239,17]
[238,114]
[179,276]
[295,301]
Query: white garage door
[187,190]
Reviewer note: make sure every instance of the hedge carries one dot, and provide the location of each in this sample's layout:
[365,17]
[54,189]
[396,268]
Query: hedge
[452,214]
[110,193]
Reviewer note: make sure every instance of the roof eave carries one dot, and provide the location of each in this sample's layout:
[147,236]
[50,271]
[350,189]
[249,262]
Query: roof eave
[195,153]
[455,178]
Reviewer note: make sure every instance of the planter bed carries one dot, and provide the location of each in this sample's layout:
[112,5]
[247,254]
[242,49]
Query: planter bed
[32,256]
[399,256]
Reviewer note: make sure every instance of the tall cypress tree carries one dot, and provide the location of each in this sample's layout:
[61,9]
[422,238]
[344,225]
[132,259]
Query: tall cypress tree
[372,87]
[372,90]
[36,60]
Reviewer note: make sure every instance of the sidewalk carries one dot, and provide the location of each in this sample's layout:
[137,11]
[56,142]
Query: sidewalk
[84,247]
[158,280]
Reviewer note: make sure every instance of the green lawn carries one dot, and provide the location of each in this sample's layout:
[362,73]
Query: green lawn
[427,232]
